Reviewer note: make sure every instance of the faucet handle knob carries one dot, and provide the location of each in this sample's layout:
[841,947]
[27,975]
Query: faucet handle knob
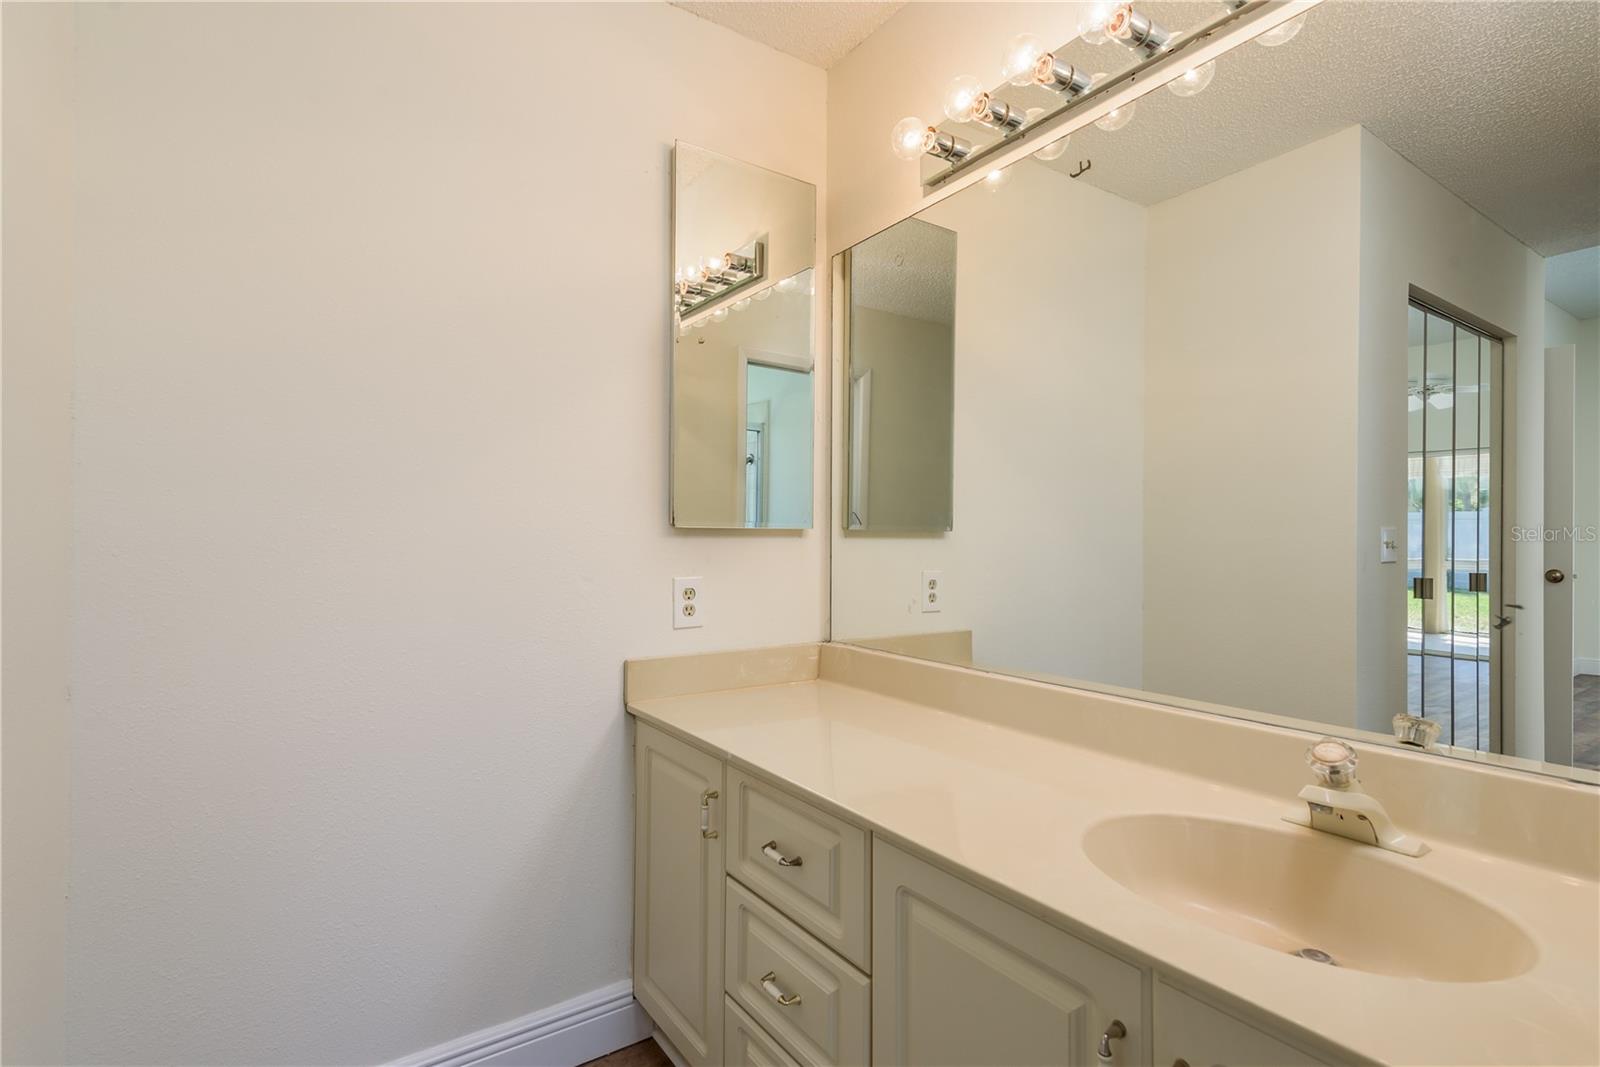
[1333,762]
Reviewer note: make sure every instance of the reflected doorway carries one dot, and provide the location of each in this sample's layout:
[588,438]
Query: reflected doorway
[1452,552]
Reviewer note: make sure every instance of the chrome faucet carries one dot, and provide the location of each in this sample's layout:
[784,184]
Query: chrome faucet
[1338,805]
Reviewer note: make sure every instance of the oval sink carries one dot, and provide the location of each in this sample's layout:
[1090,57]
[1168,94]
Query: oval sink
[1306,893]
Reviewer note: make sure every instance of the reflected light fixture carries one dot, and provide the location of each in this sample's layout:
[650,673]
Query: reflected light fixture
[1117,117]
[1283,32]
[1137,31]
[996,178]
[1055,149]
[1193,81]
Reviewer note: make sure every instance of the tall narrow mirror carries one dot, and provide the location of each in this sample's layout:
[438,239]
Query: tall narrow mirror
[743,245]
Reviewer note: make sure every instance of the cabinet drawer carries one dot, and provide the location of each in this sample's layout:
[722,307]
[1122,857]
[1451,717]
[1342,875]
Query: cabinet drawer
[1192,1032]
[811,865]
[826,1017]
[745,1044]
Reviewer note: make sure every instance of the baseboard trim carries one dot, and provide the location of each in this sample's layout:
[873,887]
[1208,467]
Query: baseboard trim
[1585,666]
[564,1035]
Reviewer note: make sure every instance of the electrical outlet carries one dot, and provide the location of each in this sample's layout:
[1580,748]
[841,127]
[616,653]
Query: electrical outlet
[688,603]
[932,594]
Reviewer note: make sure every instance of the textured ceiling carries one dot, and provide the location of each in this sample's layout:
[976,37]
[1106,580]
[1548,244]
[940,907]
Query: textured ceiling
[1499,102]
[909,269]
[1572,282]
[819,33]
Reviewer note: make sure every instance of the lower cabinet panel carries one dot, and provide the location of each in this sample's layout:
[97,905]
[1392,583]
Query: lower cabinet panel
[809,998]
[1190,1032]
[963,979]
[745,1044]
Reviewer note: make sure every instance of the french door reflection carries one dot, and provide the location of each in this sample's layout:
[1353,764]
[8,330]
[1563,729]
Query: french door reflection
[1451,559]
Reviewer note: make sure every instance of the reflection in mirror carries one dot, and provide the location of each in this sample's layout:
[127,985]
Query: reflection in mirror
[744,240]
[900,360]
[1282,400]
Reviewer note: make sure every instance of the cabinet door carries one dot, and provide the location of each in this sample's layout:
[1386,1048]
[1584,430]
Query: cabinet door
[677,892]
[1190,1032]
[961,978]
[745,1044]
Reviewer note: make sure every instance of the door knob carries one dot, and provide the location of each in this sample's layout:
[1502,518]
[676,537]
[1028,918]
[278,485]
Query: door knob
[1554,576]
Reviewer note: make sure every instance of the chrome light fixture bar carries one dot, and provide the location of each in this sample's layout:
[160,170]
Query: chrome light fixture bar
[1026,63]
[1137,31]
[720,277]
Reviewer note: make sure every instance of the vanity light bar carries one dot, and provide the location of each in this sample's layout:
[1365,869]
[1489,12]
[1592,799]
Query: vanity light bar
[719,277]
[1027,63]
[1137,31]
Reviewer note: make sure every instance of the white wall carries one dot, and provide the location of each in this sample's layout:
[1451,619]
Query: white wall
[371,298]
[1562,329]
[1415,233]
[1043,564]
[36,524]
[1250,420]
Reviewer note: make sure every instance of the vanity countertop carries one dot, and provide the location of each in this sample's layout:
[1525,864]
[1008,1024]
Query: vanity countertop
[1011,807]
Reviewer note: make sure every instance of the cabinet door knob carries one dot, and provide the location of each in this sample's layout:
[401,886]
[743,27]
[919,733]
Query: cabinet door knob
[1115,1032]
[770,850]
[1554,576]
[705,812]
[769,982]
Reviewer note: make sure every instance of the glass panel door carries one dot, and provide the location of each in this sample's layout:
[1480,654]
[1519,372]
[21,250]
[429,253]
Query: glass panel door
[1450,558]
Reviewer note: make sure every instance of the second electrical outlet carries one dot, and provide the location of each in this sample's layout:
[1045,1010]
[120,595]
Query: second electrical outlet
[932,591]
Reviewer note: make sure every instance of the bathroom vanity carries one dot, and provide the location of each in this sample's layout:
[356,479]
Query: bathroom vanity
[846,856]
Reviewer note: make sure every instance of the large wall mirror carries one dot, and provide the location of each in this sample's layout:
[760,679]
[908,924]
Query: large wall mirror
[743,246]
[1279,398]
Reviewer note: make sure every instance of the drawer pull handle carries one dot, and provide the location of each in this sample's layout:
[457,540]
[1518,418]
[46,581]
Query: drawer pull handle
[705,812]
[1115,1032]
[770,850]
[769,982]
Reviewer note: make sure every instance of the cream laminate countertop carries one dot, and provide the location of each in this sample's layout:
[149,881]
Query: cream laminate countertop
[1010,808]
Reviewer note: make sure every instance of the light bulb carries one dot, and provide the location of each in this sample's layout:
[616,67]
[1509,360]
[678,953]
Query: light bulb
[1092,28]
[1282,33]
[995,179]
[1193,81]
[762,294]
[1022,53]
[787,285]
[740,305]
[959,96]
[716,264]
[912,138]
[700,323]
[1053,150]
[1117,117]
[719,314]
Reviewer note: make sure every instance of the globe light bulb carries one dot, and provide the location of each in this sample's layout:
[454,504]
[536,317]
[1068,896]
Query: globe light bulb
[960,96]
[740,305]
[1282,33]
[1053,150]
[787,285]
[995,179]
[911,138]
[1193,81]
[1092,27]
[716,264]
[719,314]
[1022,52]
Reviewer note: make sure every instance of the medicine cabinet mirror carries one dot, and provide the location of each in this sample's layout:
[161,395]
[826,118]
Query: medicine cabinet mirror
[743,246]
[1278,400]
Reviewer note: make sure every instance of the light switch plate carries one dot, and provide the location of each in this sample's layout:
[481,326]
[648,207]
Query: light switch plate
[688,603]
[1388,545]
[932,593]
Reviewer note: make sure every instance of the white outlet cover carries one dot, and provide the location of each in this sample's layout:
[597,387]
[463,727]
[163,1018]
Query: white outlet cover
[688,603]
[931,592]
